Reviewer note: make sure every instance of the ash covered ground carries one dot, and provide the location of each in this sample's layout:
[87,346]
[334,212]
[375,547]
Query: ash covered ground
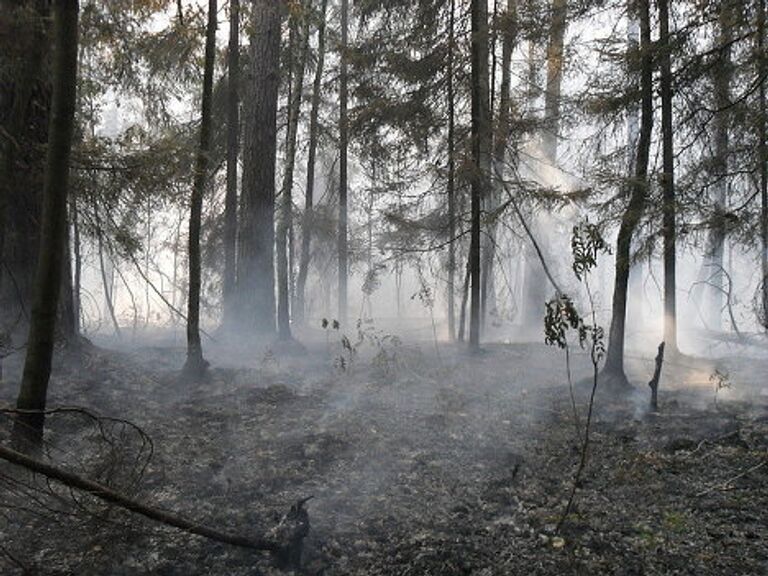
[420,460]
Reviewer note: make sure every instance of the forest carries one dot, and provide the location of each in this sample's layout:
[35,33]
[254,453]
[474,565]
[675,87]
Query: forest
[383,287]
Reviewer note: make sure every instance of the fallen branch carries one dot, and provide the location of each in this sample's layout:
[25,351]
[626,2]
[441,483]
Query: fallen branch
[727,484]
[284,541]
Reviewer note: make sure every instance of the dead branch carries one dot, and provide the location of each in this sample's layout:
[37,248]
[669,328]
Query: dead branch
[654,383]
[284,541]
[727,484]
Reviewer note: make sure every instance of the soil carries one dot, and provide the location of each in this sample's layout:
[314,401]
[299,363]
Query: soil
[419,461]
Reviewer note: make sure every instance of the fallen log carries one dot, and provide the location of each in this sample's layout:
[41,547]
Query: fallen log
[284,541]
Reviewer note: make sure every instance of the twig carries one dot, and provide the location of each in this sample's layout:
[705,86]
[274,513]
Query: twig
[727,484]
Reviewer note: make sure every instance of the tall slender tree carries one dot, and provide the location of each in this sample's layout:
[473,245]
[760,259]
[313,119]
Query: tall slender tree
[451,184]
[343,177]
[481,148]
[762,155]
[233,151]
[613,371]
[668,181]
[299,49]
[50,263]
[314,129]
[195,364]
[255,278]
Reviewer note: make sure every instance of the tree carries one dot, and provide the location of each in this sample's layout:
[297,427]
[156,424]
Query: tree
[195,364]
[299,48]
[233,151]
[50,263]
[314,128]
[451,184]
[343,177]
[669,207]
[256,283]
[481,145]
[762,157]
[613,370]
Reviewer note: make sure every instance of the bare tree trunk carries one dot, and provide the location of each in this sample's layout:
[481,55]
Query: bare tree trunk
[233,151]
[668,182]
[721,76]
[300,46]
[314,125]
[256,282]
[78,262]
[195,365]
[762,155]
[481,148]
[638,186]
[343,145]
[37,366]
[508,26]
[451,174]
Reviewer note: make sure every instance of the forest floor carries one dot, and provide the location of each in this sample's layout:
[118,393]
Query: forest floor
[419,461]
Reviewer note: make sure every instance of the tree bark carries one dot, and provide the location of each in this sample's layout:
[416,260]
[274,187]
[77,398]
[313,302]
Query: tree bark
[343,145]
[299,48]
[233,151]
[256,281]
[638,186]
[481,148]
[555,62]
[668,182]
[50,263]
[314,128]
[195,364]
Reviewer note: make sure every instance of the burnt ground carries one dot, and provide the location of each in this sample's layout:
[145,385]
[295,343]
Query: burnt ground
[417,465]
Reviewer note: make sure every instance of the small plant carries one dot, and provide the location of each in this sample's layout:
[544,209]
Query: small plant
[562,317]
[720,381]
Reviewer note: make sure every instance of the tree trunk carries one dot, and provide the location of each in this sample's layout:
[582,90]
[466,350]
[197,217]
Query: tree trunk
[233,150]
[50,262]
[481,148]
[508,26]
[195,364]
[553,91]
[299,47]
[343,145]
[451,173]
[762,155]
[721,77]
[638,186]
[314,125]
[256,282]
[668,182]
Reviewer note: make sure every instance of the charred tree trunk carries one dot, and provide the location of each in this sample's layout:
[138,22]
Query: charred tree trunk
[299,48]
[50,263]
[233,151]
[314,128]
[195,365]
[668,182]
[481,148]
[256,282]
[762,156]
[613,370]
[343,145]
[451,191]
